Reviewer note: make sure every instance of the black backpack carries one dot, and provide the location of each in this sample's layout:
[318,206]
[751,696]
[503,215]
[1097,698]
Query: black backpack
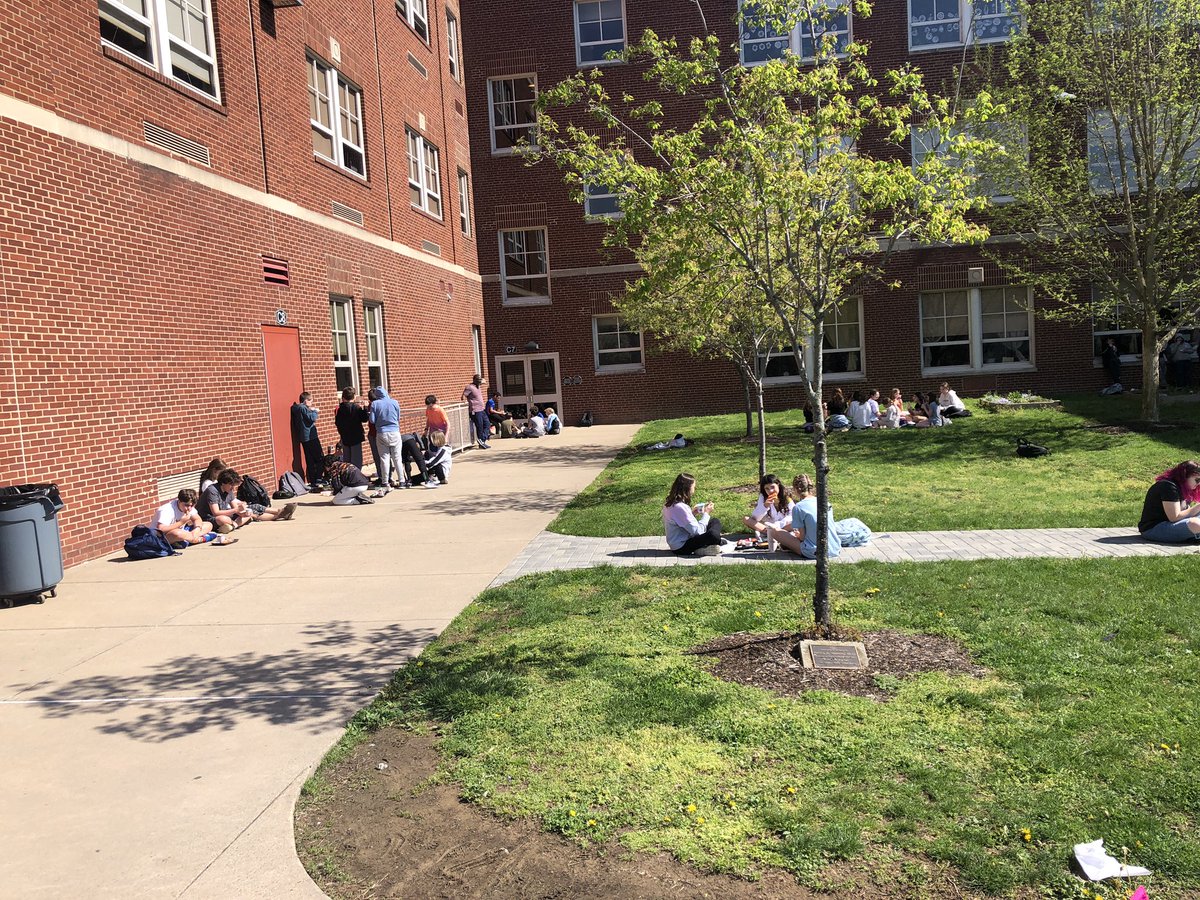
[586,420]
[292,484]
[147,543]
[252,491]
[1030,451]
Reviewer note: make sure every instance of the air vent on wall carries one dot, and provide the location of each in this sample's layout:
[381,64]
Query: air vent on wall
[275,270]
[177,144]
[416,64]
[431,247]
[349,213]
[169,487]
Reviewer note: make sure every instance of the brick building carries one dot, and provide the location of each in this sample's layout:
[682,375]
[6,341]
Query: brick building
[209,205]
[553,334]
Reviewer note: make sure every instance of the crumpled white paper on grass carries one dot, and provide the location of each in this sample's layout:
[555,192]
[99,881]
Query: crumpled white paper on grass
[1098,865]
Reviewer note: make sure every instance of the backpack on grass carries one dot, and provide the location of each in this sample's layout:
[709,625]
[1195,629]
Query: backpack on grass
[147,543]
[1030,451]
[292,483]
[252,491]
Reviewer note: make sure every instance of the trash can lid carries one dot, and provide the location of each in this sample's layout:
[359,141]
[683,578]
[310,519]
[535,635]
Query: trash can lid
[24,494]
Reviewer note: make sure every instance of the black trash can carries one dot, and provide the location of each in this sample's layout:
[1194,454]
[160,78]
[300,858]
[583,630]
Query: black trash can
[30,546]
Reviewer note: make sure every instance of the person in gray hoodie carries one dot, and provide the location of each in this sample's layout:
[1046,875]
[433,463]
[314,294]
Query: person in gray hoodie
[385,416]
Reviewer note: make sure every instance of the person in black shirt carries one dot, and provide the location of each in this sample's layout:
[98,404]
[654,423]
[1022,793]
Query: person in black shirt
[349,419]
[1169,514]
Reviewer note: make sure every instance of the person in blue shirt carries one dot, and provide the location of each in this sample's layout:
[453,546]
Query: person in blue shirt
[305,439]
[801,538]
[384,415]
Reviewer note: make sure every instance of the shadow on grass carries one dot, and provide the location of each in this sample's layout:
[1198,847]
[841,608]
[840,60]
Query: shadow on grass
[336,671]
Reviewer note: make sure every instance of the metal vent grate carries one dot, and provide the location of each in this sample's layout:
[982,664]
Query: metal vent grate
[275,270]
[349,213]
[416,64]
[177,144]
[169,487]
[431,247]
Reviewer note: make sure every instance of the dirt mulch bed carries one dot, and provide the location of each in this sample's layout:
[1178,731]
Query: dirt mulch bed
[390,833]
[767,662]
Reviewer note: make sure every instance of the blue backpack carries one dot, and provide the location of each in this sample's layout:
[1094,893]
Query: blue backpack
[147,543]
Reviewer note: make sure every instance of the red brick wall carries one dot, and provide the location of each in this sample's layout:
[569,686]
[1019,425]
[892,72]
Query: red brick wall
[538,37]
[133,299]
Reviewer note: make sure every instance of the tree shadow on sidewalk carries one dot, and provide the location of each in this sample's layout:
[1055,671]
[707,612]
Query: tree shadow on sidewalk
[338,669]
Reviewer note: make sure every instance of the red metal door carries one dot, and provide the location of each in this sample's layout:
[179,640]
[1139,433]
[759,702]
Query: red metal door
[285,381]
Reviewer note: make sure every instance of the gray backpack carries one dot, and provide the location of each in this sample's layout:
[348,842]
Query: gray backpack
[292,483]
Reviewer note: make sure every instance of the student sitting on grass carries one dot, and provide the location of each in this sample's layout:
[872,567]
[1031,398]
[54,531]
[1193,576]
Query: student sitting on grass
[801,538]
[346,480]
[1170,511]
[773,509]
[690,530]
[181,525]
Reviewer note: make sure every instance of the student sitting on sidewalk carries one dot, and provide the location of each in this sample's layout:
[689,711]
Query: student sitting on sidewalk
[348,483]
[219,505]
[181,525]
[436,462]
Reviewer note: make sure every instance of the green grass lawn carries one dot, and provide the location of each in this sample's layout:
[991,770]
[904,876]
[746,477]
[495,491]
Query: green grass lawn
[966,476]
[565,697]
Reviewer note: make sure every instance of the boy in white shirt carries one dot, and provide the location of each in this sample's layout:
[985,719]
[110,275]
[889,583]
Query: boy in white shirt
[180,524]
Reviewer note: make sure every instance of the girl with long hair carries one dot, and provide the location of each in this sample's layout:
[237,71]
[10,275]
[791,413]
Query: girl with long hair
[773,509]
[212,473]
[801,538]
[690,529]
[1170,511]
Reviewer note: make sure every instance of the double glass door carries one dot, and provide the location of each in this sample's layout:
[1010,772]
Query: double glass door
[529,381]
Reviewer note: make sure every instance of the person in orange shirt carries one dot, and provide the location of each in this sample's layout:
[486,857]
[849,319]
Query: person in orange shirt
[435,417]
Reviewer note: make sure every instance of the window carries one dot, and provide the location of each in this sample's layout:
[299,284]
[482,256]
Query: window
[513,120]
[842,356]
[1105,171]
[477,348]
[618,345]
[373,326]
[941,23]
[174,36]
[452,51]
[760,42]
[341,327]
[977,328]
[464,203]
[424,176]
[335,113]
[599,30]
[416,14]
[524,266]
[600,202]
[1117,323]
[993,180]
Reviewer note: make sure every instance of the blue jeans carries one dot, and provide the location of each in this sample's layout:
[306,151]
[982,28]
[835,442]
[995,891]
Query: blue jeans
[483,426]
[1170,533]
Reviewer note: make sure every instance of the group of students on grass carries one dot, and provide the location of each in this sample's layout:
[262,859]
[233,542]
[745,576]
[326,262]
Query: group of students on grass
[780,520]
[933,409]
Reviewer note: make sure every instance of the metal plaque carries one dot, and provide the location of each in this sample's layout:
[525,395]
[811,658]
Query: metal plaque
[833,655]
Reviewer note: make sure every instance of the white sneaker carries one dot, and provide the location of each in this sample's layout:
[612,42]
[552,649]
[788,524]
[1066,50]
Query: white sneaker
[431,484]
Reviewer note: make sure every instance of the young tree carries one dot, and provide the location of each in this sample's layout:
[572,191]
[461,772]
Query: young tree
[1106,195]
[766,177]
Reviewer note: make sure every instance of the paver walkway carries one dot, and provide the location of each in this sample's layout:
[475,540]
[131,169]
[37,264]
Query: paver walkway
[558,551]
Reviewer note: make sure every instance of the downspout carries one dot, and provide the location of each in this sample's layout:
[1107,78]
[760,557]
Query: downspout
[262,131]
[387,179]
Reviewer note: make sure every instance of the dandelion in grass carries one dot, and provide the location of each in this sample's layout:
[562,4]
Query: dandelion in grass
[591,823]
[871,590]
[1026,835]
[757,614]
[941,615]
[699,820]
[571,813]
[790,789]
[691,807]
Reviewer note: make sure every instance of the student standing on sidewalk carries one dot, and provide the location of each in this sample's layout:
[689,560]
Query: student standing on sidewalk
[478,411]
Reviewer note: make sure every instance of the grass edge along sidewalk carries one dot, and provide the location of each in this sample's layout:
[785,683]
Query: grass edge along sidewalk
[963,477]
[567,698]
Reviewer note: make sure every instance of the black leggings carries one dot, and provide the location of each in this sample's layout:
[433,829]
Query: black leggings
[711,537]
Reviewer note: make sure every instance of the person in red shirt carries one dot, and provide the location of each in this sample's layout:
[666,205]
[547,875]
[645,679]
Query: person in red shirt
[435,417]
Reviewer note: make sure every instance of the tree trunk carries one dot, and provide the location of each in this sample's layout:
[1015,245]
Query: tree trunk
[1150,366]
[762,430]
[749,404]
[822,614]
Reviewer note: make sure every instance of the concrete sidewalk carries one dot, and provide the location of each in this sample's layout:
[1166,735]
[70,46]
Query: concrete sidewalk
[160,717]
[558,551]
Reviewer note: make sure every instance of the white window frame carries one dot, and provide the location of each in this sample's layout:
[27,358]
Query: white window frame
[532,299]
[595,192]
[346,305]
[530,128]
[580,62]
[327,77]
[464,203]
[373,331]
[793,41]
[975,341]
[967,18]
[453,46]
[424,175]
[598,355]
[810,345]
[923,141]
[416,14]
[161,45]
[477,348]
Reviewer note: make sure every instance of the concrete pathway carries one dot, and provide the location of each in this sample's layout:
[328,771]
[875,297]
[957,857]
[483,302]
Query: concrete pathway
[557,551]
[160,717]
